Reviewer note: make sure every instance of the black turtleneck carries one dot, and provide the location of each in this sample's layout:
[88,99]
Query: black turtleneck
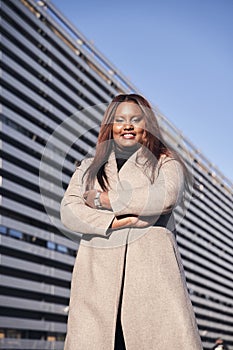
[122,156]
[120,162]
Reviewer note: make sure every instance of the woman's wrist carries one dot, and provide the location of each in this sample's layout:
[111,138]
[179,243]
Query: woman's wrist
[97,200]
[104,200]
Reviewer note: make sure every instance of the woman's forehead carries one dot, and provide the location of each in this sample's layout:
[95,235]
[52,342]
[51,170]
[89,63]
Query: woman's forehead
[128,108]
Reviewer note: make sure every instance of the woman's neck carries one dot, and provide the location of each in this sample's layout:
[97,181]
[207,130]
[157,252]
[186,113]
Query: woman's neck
[124,153]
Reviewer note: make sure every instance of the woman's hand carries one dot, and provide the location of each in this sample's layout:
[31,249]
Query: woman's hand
[132,221]
[90,195]
[144,221]
[104,200]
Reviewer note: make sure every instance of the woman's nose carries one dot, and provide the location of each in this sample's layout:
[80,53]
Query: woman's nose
[128,126]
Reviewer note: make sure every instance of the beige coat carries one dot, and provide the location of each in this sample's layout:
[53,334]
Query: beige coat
[156,309]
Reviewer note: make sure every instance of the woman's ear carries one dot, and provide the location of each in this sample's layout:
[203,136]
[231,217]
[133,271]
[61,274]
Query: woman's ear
[144,136]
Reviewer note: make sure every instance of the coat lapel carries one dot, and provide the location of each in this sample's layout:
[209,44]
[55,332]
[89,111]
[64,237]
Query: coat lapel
[130,171]
[111,171]
[134,170]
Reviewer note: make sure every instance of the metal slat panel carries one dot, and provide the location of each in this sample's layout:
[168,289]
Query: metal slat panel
[32,286]
[216,325]
[207,292]
[209,304]
[38,233]
[210,276]
[44,90]
[209,225]
[218,205]
[42,73]
[60,43]
[24,174]
[211,210]
[29,344]
[193,250]
[207,265]
[53,159]
[218,250]
[213,188]
[70,137]
[30,195]
[30,324]
[29,212]
[214,315]
[53,146]
[24,41]
[25,304]
[38,251]
[47,168]
[63,45]
[32,267]
[206,232]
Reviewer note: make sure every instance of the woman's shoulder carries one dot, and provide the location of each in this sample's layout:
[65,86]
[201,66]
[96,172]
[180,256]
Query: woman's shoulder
[166,158]
[170,159]
[84,163]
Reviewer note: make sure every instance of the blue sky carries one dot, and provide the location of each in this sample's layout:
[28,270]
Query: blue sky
[179,53]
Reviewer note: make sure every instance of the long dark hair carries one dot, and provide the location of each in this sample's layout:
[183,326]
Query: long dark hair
[154,145]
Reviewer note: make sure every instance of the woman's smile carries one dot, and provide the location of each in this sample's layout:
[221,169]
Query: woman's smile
[128,135]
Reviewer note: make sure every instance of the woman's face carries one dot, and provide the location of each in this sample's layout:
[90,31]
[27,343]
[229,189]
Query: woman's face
[128,126]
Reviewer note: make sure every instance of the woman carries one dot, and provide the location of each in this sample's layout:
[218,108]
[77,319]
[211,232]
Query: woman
[128,287]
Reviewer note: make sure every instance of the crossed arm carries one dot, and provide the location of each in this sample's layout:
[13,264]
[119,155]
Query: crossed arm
[124,206]
[120,221]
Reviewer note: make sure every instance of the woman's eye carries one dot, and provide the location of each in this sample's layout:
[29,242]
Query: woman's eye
[136,120]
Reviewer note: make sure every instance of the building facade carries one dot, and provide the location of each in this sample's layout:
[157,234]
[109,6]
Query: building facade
[54,87]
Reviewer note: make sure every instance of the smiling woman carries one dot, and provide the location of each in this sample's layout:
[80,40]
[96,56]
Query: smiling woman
[128,286]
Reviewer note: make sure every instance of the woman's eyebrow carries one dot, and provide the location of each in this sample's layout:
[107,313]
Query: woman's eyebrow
[124,116]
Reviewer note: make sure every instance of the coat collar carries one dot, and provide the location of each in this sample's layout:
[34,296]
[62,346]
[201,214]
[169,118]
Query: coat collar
[136,161]
[131,160]
[127,170]
[137,158]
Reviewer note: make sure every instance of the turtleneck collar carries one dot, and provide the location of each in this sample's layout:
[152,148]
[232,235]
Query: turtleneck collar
[124,153]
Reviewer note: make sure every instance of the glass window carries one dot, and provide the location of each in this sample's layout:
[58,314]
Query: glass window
[13,333]
[51,338]
[15,234]
[62,248]
[3,230]
[51,245]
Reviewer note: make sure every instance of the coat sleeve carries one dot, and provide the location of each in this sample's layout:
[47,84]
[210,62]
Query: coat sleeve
[153,199]
[77,216]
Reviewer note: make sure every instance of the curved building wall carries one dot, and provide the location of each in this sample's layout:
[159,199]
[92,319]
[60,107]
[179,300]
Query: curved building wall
[51,76]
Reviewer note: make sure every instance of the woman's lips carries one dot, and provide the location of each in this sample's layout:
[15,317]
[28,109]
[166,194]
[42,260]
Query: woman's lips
[128,136]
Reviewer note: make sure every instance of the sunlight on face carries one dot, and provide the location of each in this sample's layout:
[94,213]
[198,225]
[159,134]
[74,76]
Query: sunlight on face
[129,126]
